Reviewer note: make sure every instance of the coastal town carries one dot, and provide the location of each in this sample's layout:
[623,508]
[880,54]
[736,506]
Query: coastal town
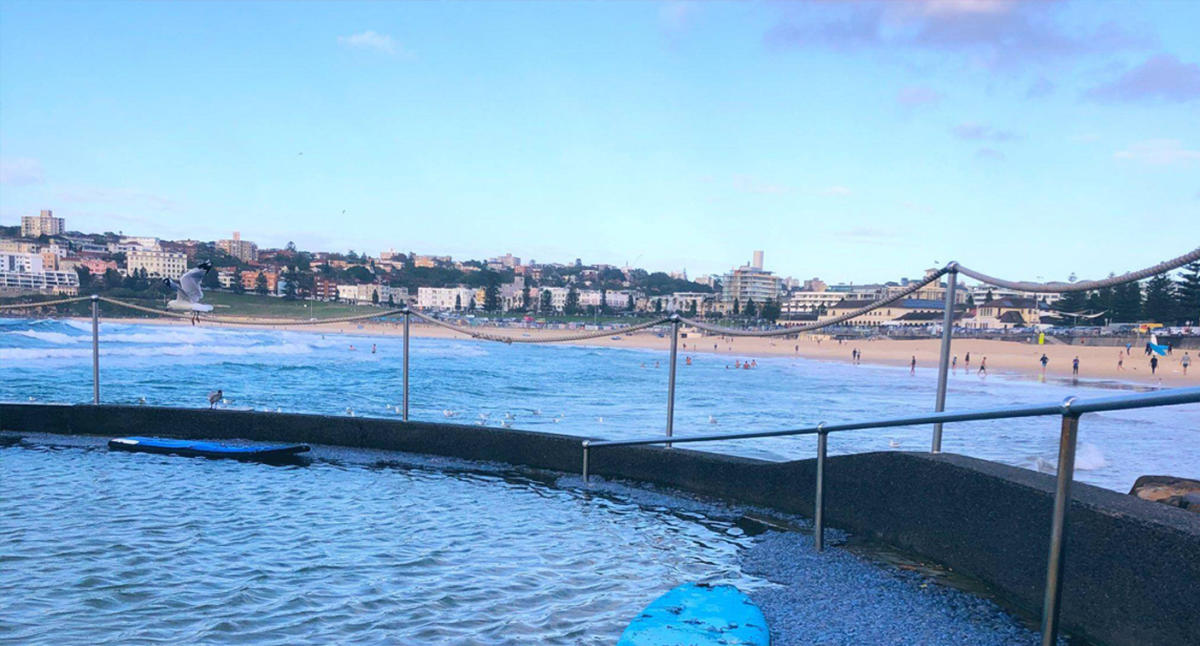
[42,256]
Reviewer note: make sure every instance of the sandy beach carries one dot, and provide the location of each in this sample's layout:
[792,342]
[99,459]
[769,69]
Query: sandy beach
[1096,363]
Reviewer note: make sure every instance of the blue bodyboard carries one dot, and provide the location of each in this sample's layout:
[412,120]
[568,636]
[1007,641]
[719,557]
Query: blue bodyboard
[696,614]
[191,448]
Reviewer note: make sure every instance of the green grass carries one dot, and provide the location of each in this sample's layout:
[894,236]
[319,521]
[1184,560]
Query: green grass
[255,305]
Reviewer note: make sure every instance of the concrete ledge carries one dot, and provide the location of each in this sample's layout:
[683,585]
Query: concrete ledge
[1132,568]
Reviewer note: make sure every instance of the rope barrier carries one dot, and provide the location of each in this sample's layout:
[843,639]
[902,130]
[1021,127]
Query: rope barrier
[1087,285]
[61,301]
[558,339]
[912,287]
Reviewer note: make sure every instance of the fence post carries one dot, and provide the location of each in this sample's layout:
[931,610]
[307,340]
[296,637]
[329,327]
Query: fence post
[406,318]
[819,493]
[1058,527]
[671,377]
[95,349]
[944,359]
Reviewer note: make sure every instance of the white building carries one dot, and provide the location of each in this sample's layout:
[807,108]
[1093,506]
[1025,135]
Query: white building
[44,224]
[25,263]
[158,264]
[749,282]
[805,302]
[445,298]
[369,293]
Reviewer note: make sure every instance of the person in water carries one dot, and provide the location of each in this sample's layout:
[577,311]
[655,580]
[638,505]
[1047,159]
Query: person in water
[912,366]
[954,364]
[983,367]
[967,362]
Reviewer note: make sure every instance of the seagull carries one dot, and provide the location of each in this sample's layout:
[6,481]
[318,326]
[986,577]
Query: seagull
[712,420]
[509,416]
[537,411]
[188,292]
[894,443]
[142,401]
[214,397]
[506,424]
[449,413]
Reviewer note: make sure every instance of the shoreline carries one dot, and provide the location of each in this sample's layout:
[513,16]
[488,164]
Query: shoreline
[1008,358]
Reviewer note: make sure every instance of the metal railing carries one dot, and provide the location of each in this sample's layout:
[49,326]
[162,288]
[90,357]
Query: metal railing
[1070,410]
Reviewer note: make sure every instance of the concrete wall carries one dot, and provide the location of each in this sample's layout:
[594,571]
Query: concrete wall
[1132,570]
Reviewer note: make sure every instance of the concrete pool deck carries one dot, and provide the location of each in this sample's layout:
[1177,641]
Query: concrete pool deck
[1131,574]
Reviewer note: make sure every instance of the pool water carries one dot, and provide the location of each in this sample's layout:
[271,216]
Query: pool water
[100,547]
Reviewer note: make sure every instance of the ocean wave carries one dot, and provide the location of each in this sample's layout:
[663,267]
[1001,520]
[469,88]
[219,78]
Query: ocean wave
[188,350]
[1089,457]
[59,338]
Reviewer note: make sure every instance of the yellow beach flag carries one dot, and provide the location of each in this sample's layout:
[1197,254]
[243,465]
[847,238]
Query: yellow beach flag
[1041,338]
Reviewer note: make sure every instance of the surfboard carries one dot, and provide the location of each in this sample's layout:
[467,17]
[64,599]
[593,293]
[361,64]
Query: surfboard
[698,614]
[191,448]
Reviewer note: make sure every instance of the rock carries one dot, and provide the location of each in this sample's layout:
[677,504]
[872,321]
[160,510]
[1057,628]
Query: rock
[1169,490]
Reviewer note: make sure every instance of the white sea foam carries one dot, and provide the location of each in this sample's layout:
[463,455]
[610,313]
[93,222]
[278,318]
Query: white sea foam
[1089,457]
[49,337]
[187,350]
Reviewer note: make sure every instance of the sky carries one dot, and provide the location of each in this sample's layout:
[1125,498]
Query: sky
[853,141]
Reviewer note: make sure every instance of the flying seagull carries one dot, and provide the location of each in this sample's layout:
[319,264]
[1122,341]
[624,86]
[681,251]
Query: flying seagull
[188,292]
[215,397]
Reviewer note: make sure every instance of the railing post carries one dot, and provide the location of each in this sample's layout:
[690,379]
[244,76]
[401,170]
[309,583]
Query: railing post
[671,377]
[944,359]
[406,319]
[95,349]
[1058,527]
[819,493]
[585,460]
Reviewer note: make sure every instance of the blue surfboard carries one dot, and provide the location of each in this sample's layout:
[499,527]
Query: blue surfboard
[697,614]
[192,448]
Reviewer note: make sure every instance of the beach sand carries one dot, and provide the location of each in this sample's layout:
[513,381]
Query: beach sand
[1096,363]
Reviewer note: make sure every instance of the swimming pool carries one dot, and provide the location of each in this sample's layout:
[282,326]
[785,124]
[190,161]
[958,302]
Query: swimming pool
[379,547]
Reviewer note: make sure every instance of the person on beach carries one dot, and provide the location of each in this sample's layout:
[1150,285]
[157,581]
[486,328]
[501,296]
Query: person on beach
[1153,364]
[1075,366]
[983,367]
[1045,360]
[1120,361]
[1128,347]
[912,366]
[954,364]
[1185,362]
[967,362]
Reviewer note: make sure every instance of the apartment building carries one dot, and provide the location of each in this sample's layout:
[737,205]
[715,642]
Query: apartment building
[43,224]
[243,250]
[444,298]
[158,264]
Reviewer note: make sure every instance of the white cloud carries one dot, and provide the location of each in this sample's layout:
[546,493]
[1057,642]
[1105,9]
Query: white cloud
[370,40]
[1158,152]
[839,191]
[21,171]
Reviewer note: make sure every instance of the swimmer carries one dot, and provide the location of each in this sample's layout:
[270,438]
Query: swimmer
[372,348]
[754,363]
[912,366]
[352,348]
[745,366]
[737,364]
[688,361]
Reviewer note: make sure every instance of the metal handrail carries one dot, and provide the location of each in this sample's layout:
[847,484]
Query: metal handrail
[1071,406]
[1070,410]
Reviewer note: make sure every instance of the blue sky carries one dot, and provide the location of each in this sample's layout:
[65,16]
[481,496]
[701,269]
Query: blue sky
[851,141]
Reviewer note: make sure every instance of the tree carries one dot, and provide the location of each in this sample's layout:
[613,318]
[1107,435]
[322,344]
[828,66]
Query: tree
[751,308]
[112,278]
[987,298]
[547,300]
[1187,294]
[292,278]
[374,296]
[85,277]
[260,283]
[736,308]
[211,280]
[770,310]
[1127,302]
[238,286]
[970,301]
[458,302]
[658,306]
[491,298]
[525,298]
[391,300]
[572,305]
[1159,305]
[629,303]
[692,307]
[603,300]
[1072,302]
[471,305]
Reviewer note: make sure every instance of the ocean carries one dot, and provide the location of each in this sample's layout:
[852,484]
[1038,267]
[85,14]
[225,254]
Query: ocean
[591,392]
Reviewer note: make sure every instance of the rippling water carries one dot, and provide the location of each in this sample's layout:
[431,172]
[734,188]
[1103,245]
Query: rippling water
[119,548]
[608,393]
